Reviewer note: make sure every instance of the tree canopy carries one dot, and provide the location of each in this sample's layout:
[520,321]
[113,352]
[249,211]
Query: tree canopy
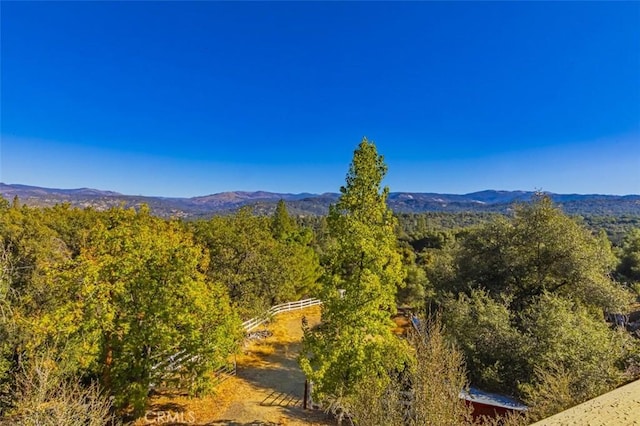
[629,267]
[262,261]
[525,295]
[538,250]
[106,296]
[95,302]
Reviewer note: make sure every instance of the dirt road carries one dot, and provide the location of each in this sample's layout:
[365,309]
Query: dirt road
[269,386]
[267,390]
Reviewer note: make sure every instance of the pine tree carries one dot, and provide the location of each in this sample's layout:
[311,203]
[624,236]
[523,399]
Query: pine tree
[282,226]
[355,343]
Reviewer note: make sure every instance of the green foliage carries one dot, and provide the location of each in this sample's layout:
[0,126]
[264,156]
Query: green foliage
[147,297]
[354,344]
[629,267]
[566,342]
[515,352]
[416,226]
[551,392]
[493,348]
[524,298]
[538,250]
[616,226]
[30,253]
[261,261]
[282,226]
[426,392]
[108,295]
[415,288]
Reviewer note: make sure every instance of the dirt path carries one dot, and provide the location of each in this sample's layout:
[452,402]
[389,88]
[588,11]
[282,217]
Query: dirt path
[267,390]
[269,386]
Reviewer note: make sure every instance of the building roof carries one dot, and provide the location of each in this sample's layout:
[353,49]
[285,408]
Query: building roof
[620,407]
[475,395]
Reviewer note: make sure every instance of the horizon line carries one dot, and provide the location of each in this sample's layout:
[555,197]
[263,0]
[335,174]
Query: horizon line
[116,193]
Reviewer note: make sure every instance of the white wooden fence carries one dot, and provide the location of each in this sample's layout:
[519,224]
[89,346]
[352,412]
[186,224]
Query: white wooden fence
[278,309]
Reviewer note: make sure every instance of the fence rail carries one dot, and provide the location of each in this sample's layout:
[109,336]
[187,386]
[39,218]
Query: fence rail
[224,372]
[278,309]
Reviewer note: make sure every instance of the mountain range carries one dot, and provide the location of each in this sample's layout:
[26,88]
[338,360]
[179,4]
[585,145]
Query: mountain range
[318,204]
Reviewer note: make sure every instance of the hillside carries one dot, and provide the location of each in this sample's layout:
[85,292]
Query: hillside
[318,204]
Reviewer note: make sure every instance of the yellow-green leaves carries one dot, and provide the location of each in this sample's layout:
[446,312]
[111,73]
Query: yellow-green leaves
[150,299]
[109,295]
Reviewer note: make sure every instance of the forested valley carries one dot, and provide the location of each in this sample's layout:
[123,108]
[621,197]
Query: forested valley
[92,301]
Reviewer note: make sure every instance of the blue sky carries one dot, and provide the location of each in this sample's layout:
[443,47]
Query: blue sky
[184,99]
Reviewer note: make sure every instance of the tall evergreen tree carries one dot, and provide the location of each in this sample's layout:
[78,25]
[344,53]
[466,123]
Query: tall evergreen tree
[282,226]
[355,342]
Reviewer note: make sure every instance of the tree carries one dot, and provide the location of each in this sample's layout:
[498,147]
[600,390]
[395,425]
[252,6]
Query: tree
[242,254]
[565,342]
[282,226]
[493,348]
[355,344]
[258,268]
[301,263]
[538,250]
[107,296]
[520,352]
[629,267]
[141,295]
[427,392]
[415,288]
[30,256]
[523,296]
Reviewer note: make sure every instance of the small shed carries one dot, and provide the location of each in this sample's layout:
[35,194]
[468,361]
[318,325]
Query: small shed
[490,404]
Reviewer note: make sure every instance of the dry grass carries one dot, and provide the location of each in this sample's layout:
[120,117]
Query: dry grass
[255,353]
[402,325]
[285,329]
[202,408]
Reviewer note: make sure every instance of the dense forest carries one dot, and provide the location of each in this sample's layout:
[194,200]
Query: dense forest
[92,301]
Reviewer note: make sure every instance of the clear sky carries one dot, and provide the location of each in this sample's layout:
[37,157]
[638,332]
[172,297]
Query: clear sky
[184,99]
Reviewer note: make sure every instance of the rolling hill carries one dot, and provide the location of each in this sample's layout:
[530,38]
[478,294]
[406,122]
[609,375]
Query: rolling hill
[317,204]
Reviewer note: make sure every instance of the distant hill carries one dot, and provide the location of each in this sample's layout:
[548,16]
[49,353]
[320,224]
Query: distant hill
[317,204]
